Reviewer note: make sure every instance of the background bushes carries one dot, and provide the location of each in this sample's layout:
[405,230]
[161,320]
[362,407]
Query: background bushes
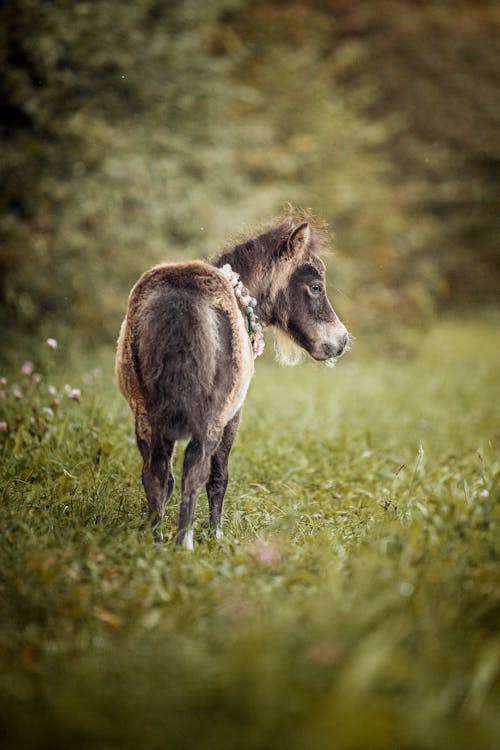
[134,133]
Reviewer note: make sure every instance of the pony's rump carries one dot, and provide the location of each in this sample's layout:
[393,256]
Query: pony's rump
[181,347]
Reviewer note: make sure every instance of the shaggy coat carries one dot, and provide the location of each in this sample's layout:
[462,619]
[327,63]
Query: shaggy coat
[184,360]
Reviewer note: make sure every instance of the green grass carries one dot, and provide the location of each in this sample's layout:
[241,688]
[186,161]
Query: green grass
[354,602]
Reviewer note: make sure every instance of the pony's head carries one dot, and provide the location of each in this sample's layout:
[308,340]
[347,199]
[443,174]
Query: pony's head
[303,316]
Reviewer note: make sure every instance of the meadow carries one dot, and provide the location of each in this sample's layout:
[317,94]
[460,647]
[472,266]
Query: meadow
[354,601]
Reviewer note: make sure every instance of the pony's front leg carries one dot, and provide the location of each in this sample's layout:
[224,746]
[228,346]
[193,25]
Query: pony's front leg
[217,481]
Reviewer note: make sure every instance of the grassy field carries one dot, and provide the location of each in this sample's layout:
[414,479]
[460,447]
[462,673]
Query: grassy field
[354,602]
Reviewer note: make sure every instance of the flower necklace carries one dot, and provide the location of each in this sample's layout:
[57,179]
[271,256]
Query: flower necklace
[248,305]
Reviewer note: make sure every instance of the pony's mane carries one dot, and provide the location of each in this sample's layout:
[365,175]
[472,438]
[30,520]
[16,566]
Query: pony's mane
[286,351]
[276,231]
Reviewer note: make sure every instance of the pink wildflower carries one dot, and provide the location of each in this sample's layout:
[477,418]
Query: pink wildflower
[27,368]
[4,427]
[266,552]
[52,343]
[17,392]
[74,393]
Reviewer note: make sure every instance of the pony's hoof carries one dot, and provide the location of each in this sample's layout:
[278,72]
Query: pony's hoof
[187,540]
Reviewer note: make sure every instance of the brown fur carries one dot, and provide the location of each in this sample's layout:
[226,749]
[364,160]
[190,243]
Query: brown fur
[184,359]
[208,285]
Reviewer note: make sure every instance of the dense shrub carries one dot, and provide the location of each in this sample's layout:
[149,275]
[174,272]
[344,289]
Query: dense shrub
[147,131]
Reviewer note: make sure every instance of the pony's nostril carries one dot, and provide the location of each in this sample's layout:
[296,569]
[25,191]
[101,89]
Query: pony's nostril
[337,347]
[331,350]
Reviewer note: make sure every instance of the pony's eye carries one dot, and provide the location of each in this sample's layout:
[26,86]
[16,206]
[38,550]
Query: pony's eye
[315,288]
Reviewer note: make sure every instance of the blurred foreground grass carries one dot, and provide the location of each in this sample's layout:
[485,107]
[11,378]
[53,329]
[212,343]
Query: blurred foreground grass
[355,600]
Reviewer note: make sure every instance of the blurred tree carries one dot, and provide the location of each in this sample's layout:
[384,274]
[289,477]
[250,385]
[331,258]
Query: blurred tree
[115,152]
[434,68]
[387,116]
[134,133]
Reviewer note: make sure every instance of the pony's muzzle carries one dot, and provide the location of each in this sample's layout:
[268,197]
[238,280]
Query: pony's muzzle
[336,345]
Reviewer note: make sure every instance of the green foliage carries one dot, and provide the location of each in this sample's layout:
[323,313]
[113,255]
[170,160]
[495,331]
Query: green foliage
[353,603]
[139,132]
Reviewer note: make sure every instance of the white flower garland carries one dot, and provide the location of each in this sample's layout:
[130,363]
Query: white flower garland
[248,304]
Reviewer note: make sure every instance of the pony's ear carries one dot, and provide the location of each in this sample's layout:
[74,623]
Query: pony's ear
[298,239]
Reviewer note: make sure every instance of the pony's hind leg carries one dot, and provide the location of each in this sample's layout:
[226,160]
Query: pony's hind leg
[197,458]
[217,481]
[157,478]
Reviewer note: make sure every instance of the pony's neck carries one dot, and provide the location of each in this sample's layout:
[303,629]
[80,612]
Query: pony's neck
[256,268]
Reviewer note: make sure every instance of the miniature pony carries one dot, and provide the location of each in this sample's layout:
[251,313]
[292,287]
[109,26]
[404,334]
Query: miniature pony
[186,354]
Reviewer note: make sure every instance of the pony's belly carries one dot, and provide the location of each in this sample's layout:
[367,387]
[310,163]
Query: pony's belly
[239,398]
